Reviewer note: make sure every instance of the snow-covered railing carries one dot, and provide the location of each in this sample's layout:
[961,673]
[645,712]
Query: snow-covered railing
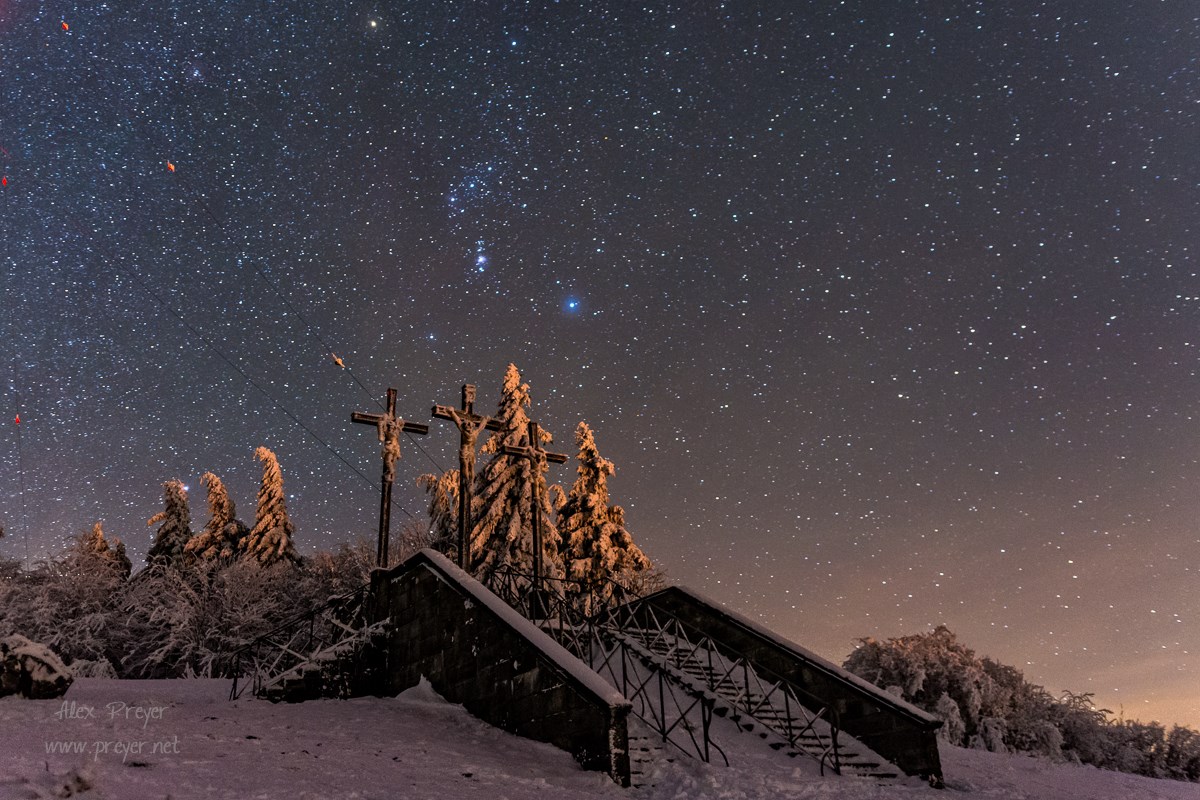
[580,617]
[804,721]
[296,641]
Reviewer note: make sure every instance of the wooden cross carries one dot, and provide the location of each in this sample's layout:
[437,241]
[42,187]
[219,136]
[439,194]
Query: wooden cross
[469,425]
[535,453]
[389,428]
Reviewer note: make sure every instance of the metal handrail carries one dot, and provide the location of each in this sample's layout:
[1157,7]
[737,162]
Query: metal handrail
[791,691]
[281,641]
[576,621]
[660,718]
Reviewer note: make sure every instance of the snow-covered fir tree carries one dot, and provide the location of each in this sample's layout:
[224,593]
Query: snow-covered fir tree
[507,491]
[174,526]
[598,547]
[221,537]
[443,508]
[110,552]
[270,540]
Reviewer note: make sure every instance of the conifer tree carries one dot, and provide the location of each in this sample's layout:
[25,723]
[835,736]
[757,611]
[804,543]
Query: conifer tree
[93,541]
[443,507]
[94,547]
[222,536]
[599,550]
[270,540]
[174,526]
[119,558]
[508,490]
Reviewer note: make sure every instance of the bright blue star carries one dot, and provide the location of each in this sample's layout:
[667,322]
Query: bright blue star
[571,305]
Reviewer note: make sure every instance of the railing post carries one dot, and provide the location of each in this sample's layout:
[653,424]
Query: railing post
[706,721]
[787,710]
[662,705]
[837,757]
[624,672]
[711,678]
[237,669]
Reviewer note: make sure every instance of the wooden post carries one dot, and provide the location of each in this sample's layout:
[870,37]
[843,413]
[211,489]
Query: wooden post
[389,433]
[536,455]
[469,425]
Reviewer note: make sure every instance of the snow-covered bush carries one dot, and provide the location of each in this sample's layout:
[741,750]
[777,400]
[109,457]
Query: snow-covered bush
[990,705]
[990,735]
[1086,732]
[82,668]
[31,670]
[187,621]
[1182,760]
[1024,707]
[953,730]
[1047,740]
[66,603]
[927,666]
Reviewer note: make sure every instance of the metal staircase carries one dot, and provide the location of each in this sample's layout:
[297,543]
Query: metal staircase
[769,709]
[684,664]
[678,678]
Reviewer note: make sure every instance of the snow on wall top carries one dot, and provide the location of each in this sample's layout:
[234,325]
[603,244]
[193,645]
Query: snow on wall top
[558,655]
[808,655]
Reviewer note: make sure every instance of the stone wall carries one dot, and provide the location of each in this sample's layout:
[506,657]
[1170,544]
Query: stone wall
[476,651]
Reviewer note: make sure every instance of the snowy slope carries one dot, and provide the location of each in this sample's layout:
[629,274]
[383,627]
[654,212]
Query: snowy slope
[418,746]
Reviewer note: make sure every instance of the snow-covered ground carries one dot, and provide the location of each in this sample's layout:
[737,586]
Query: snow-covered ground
[184,739]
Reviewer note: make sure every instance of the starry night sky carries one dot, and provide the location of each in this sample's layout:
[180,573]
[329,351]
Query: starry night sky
[887,313]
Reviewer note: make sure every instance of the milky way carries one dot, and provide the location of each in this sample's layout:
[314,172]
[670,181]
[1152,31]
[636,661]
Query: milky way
[887,316]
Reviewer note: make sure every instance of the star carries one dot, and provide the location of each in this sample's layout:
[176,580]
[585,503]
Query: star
[851,298]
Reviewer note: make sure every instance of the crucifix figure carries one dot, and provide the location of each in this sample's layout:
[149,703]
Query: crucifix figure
[537,455]
[469,425]
[389,427]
